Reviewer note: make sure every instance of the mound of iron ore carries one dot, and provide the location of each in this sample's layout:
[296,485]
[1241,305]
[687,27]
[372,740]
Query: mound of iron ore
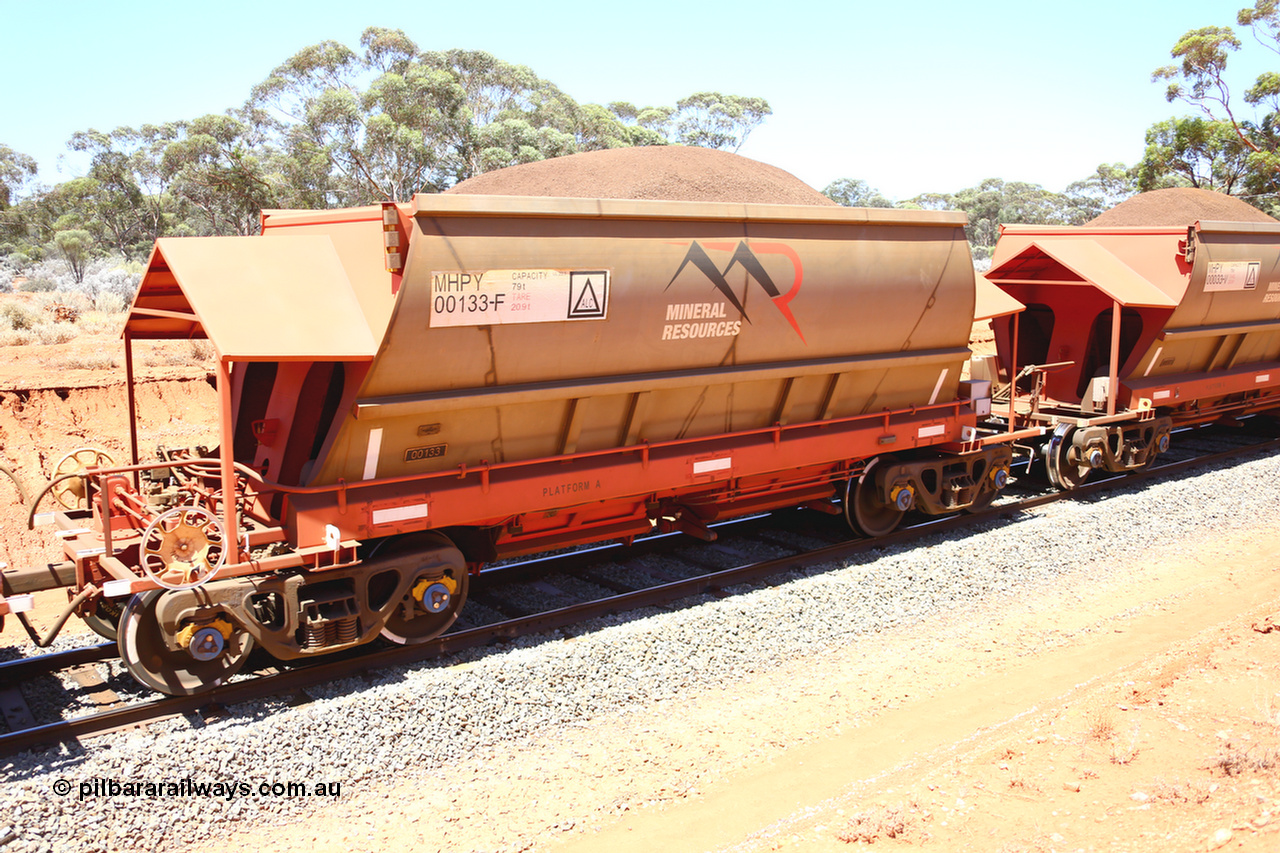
[1179,206]
[668,172]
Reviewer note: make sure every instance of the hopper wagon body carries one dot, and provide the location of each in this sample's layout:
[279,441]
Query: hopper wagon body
[408,392]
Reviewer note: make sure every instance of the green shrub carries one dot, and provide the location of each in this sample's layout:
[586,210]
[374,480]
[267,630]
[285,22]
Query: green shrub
[15,316]
[38,284]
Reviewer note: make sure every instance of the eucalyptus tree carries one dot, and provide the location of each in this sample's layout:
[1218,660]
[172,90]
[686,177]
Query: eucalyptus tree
[995,202]
[1110,184]
[76,248]
[1200,78]
[16,169]
[499,114]
[217,166]
[713,120]
[391,120]
[367,119]
[126,198]
[643,125]
[855,192]
[1195,152]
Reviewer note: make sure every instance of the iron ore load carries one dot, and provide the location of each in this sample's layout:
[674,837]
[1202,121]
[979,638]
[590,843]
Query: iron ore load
[411,391]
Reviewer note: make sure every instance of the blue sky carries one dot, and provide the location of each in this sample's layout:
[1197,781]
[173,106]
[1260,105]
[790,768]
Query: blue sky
[911,97]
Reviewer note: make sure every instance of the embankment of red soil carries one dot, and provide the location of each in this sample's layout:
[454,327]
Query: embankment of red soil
[38,426]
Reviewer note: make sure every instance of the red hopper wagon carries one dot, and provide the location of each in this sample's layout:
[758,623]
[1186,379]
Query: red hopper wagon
[408,392]
[1131,331]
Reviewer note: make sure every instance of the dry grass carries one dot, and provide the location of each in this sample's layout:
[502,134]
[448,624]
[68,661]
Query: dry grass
[1234,761]
[1178,793]
[898,822]
[55,317]
[198,352]
[1126,751]
[101,323]
[1100,723]
[43,318]
[1269,714]
[110,303]
[86,361]
[15,316]
[201,350]
[1024,847]
[1017,783]
[62,301]
[41,333]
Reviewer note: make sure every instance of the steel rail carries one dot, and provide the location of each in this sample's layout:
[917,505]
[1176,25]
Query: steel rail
[24,669]
[326,671]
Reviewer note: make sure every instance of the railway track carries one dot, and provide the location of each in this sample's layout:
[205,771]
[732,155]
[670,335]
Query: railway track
[678,568]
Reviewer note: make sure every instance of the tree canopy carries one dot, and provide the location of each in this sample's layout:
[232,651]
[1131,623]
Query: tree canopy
[333,126]
[16,169]
[855,192]
[1202,154]
[1196,152]
[995,202]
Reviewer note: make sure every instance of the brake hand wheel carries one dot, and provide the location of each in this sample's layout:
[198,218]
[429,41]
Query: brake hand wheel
[70,493]
[183,548]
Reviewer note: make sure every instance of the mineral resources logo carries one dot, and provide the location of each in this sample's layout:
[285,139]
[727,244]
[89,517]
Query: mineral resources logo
[712,316]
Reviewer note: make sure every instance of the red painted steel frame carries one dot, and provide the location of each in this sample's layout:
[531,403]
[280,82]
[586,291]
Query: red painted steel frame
[1254,387]
[575,499]
[610,491]
[787,456]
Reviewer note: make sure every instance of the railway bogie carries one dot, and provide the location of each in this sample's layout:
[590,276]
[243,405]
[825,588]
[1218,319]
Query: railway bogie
[405,593]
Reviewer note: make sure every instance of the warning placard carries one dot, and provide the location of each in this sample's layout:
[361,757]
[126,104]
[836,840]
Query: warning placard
[1232,275]
[496,297]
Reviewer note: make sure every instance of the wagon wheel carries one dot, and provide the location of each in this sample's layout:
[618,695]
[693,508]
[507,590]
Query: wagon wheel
[864,510]
[183,548]
[984,500]
[993,484]
[434,599]
[177,672]
[1066,471]
[70,492]
[104,618]
[1160,445]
